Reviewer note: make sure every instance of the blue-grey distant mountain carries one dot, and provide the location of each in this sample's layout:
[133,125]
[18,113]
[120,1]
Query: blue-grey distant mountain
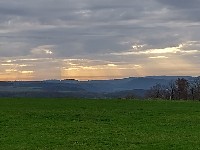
[136,86]
[121,84]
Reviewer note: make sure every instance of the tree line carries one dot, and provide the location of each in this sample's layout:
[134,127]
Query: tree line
[180,89]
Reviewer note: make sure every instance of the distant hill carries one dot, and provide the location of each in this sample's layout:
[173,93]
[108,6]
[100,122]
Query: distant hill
[88,89]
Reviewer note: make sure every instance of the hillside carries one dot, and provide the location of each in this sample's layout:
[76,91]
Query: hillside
[84,89]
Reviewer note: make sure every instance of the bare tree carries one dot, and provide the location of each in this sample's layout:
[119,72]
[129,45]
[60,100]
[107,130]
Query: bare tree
[157,91]
[172,90]
[182,86]
[195,89]
[192,91]
[178,89]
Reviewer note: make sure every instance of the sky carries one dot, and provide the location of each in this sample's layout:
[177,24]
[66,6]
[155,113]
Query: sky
[98,39]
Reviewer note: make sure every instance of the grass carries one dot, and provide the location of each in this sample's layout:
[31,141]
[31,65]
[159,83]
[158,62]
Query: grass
[98,124]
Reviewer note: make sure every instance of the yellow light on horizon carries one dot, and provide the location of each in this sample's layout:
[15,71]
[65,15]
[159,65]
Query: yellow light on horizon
[26,72]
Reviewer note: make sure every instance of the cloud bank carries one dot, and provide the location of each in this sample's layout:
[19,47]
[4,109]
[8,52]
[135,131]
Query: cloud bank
[45,39]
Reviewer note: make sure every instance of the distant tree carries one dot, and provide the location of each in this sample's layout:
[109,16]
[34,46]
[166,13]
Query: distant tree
[155,91]
[192,91]
[178,89]
[195,89]
[182,87]
[171,89]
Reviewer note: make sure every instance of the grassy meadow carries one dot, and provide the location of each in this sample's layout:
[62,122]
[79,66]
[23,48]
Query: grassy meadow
[98,124]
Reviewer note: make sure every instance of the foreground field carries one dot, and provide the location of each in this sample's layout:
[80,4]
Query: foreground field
[98,124]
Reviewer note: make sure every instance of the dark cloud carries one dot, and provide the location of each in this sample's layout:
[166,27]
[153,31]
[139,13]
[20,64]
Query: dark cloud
[94,29]
[184,4]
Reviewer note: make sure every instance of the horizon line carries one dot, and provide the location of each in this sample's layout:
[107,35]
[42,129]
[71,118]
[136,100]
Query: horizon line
[73,78]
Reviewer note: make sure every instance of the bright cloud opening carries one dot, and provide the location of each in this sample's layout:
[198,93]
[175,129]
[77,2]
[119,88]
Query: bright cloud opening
[158,57]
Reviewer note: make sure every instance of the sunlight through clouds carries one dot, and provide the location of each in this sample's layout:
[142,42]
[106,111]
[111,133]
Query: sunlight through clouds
[158,57]
[41,50]
[26,72]
[90,69]
[98,39]
[152,51]
[112,65]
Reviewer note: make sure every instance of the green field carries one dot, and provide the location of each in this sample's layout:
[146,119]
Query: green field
[98,124]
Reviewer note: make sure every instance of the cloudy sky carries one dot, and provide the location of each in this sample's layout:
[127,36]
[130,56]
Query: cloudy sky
[98,39]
